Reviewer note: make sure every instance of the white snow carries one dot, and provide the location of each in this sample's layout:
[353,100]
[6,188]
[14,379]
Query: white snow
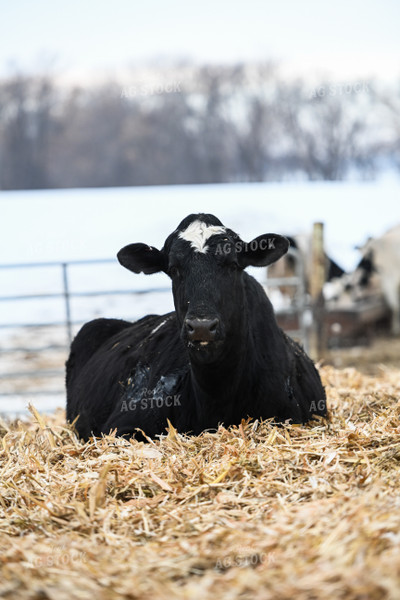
[53,225]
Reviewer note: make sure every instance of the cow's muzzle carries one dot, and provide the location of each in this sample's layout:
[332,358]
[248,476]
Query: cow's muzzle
[201,330]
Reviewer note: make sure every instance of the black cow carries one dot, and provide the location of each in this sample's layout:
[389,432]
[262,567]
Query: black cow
[218,359]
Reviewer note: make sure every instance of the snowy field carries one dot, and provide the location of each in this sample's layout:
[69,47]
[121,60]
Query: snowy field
[65,225]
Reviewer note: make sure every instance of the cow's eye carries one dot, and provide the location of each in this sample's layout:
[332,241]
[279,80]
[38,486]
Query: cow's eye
[174,272]
[233,266]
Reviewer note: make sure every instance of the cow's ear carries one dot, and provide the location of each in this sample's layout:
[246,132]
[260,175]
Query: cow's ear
[141,258]
[263,250]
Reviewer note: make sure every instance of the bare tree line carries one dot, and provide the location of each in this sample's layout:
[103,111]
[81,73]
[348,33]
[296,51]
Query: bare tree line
[214,124]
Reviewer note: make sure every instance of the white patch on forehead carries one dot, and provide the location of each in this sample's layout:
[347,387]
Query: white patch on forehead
[198,233]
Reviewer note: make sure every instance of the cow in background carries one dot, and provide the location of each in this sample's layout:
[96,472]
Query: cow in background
[300,250]
[377,273]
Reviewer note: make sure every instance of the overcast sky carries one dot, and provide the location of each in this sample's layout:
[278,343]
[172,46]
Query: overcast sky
[345,38]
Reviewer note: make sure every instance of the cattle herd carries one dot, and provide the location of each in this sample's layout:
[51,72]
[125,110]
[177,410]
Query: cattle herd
[220,357]
[377,274]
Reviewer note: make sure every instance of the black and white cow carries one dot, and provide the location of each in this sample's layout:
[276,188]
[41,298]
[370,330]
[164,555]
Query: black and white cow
[219,358]
[378,272]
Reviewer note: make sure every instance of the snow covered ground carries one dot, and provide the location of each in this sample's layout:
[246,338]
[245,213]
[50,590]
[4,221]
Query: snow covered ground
[95,223]
[65,225]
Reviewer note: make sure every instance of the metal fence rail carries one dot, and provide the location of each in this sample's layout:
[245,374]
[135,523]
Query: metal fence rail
[299,307]
[65,296]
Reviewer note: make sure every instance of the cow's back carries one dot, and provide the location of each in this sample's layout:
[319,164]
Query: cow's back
[103,356]
[88,341]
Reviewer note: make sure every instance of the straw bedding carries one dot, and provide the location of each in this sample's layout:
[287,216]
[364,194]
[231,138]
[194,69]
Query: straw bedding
[254,512]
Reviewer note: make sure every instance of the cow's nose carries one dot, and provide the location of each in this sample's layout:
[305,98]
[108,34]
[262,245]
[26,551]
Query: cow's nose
[201,330]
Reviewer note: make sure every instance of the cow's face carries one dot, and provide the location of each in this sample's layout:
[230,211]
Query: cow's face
[205,262]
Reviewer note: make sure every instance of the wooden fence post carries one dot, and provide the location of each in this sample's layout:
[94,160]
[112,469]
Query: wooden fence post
[318,268]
